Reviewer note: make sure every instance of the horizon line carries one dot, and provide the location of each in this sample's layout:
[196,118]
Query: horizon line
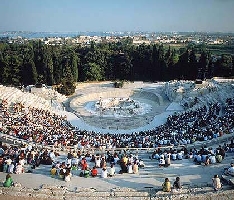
[118,31]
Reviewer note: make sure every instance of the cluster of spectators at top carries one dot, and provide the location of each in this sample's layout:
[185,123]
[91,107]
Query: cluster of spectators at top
[46,128]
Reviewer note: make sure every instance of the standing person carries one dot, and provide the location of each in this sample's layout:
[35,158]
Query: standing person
[177,185]
[216,183]
[166,185]
[9,181]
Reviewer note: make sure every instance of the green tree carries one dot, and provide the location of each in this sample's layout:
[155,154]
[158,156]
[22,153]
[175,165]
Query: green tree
[74,66]
[224,66]
[67,85]
[92,72]
[203,65]
[192,71]
[29,73]
[183,65]
[172,65]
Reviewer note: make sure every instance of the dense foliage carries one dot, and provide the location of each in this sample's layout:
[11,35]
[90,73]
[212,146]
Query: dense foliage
[24,64]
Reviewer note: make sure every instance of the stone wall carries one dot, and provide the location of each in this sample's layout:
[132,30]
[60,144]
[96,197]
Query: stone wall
[57,193]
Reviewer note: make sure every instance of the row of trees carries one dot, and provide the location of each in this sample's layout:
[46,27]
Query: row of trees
[24,64]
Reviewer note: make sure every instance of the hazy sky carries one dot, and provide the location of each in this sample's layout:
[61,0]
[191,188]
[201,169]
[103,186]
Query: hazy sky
[117,15]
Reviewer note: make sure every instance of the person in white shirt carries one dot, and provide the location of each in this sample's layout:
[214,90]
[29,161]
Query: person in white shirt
[111,171]
[156,156]
[116,158]
[180,155]
[198,159]
[67,175]
[98,162]
[174,156]
[161,162]
[104,173]
[69,161]
[141,164]
[231,169]
[52,155]
[212,159]
[11,168]
[19,169]
[129,166]
[75,161]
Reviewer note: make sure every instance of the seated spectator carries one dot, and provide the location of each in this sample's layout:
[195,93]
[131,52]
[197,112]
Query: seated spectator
[104,173]
[166,185]
[52,155]
[103,162]
[9,181]
[207,160]
[111,171]
[204,157]
[7,163]
[125,159]
[19,169]
[135,168]
[86,172]
[230,170]
[62,173]
[155,155]
[212,159]
[53,171]
[179,155]
[123,167]
[174,155]
[161,162]
[94,172]
[216,183]
[67,175]
[129,166]
[116,159]
[11,168]
[141,164]
[75,161]
[177,185]
[74,167]
[198,159]
[97,162]
[69,161]
[219,158]
[167,161]
[83,163]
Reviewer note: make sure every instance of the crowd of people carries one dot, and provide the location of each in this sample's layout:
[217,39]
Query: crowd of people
[93,165]
[46,128]
[37,126]
[203,156]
